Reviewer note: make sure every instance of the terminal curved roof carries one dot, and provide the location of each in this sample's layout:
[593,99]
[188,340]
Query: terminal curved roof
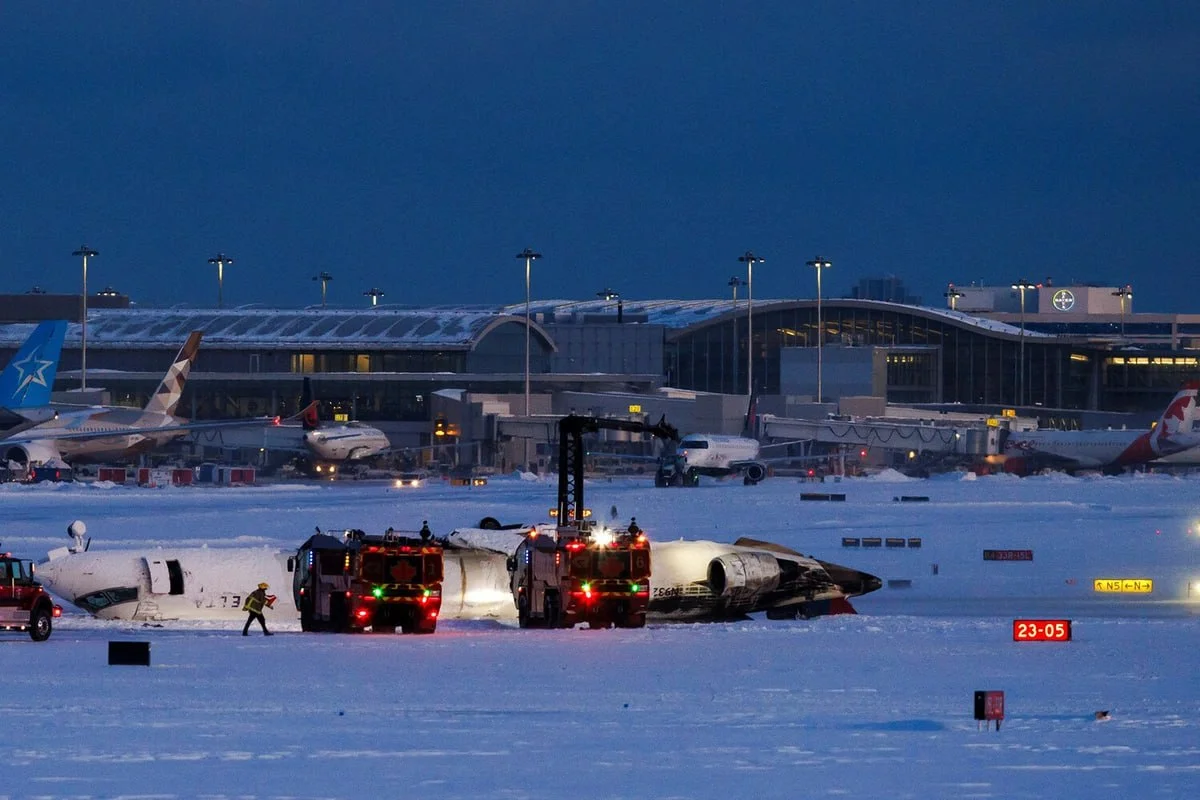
[410,328]
[684,315]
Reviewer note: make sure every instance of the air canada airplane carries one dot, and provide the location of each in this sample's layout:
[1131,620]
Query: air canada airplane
[692,580]
[1177,430]
[100,432]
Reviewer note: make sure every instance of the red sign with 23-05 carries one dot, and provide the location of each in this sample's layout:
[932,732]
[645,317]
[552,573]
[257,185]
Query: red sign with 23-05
[1041,630]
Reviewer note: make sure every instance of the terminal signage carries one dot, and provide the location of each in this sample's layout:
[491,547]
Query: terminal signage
[1123,585]
[1008,555]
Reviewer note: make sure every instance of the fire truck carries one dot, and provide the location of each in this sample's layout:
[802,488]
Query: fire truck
[580,572]
[361,581]
[24,604]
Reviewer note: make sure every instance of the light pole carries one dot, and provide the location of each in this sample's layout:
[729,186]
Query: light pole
[374,294]
[220,259]
[83,252]
[734,283]
[1022,285]
[528,255]
[952,295]
[324,277]
[819,264]
[749,259]
[1124,292]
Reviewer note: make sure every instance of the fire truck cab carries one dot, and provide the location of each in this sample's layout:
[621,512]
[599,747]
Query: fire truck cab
[24,604]
[360,581]
[577,574]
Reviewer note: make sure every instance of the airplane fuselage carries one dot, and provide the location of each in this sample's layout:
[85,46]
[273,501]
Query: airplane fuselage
[716,454]
[346,442]
[211,583]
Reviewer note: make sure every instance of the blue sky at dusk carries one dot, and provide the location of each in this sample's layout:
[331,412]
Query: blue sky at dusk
[416,147]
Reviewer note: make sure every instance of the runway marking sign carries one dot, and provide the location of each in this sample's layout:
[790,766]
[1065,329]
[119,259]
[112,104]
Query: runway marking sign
[1123,585]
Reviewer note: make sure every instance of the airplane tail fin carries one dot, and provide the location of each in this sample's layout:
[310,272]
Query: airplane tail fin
[1180,416]
[750,428]
[308,408]
[27,380]
[166,397]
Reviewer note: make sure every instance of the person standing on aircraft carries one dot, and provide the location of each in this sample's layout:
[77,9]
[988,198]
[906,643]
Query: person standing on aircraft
[254,605]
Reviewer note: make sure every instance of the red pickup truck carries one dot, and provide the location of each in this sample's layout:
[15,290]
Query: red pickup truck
[24,604]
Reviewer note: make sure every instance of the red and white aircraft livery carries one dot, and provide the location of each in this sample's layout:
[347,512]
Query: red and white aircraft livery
[1178,429]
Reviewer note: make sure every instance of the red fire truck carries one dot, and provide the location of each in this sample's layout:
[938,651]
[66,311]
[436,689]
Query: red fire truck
[24,604]
[359,581]
[580,572]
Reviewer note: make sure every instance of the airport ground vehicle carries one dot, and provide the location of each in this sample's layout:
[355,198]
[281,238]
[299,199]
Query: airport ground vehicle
[24,604]
[582,572]
[361,581]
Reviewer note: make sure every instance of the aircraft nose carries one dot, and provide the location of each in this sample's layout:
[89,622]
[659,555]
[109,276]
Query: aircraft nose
[870,583]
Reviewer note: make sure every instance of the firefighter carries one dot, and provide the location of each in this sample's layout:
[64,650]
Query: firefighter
[254,606]
[634,530]
[426,534]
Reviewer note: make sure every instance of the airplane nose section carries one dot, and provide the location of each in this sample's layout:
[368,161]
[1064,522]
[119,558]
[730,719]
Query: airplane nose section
[870,583]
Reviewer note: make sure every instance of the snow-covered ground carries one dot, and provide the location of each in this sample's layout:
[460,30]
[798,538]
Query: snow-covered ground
[874,705]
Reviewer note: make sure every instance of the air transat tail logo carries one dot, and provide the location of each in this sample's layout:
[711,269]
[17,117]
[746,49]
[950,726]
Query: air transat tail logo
[31,371]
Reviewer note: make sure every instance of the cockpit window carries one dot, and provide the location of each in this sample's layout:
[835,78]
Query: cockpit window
[107,597]
[693,444]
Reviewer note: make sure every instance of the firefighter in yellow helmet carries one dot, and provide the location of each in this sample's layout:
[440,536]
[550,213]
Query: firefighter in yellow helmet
[254,605]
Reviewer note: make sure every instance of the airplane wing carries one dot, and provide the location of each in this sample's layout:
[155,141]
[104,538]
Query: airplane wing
[63,434]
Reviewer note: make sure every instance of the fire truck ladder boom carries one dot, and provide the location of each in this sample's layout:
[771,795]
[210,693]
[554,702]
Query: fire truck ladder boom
[570,455]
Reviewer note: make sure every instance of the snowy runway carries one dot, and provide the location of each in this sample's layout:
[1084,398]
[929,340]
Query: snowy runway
[874,705]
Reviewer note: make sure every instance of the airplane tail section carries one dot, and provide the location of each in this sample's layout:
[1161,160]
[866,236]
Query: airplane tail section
[1179,421]
[308,408]
[166,397]
[750,428]
[27,380]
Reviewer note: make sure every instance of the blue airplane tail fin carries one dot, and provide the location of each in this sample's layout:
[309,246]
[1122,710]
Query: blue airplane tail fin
[27,380]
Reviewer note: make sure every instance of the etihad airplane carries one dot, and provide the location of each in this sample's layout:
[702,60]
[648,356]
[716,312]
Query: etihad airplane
[692,581]
[104,432]
[1177,430]
[26,382]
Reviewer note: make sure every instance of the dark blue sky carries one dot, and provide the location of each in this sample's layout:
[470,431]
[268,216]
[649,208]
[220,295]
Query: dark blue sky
[641,146]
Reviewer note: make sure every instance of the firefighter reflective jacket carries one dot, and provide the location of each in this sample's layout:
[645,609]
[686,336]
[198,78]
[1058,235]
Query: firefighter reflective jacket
[255,601]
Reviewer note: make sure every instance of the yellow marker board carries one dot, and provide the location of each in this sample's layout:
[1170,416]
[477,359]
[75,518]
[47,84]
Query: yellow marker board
[1123,585]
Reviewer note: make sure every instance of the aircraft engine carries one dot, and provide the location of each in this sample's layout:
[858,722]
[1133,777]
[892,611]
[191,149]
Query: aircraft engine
[31,453]
[756,471]
[740,577]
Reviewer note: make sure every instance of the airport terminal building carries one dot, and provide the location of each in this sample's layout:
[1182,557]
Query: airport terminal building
[386,364]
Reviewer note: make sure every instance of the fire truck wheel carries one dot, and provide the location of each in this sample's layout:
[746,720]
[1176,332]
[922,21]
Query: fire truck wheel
[552,610]
[39,625]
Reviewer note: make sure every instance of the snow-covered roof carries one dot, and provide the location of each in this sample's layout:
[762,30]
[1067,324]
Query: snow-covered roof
[409,328]
[430,327]
[682,314]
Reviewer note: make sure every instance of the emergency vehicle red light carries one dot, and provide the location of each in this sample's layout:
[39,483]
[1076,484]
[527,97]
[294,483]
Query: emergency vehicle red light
[57,612]
[433,614]
[361,613]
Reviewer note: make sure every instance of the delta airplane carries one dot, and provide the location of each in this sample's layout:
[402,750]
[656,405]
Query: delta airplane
[1177,430]
[692,580]
[351,441]
[26,382]
[101,432]
[715,455]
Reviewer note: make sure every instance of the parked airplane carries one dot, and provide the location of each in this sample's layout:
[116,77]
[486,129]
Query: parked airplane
[711,454]
[327,445]
[101,432]
[1177,430]
[692,581]
[26,382]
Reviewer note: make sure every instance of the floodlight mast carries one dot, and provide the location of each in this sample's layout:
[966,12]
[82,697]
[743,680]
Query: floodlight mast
[749,259]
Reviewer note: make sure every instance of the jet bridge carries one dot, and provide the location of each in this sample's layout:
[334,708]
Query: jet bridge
[923,437]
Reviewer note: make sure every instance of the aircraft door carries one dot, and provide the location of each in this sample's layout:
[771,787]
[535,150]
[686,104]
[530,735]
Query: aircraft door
[160,576]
